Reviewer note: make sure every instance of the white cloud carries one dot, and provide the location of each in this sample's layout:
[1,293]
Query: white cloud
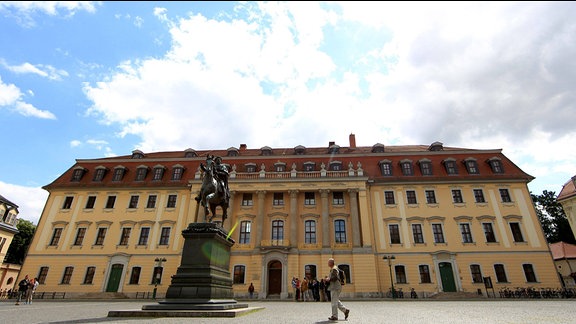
[24,11]
[11,96]
[45,71]
[30,200]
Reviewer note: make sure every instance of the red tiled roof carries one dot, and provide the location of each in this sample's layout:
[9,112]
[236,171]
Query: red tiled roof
[561,250]
[568,190]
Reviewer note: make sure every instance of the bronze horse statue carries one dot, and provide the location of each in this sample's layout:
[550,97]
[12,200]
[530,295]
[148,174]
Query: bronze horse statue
[213,192]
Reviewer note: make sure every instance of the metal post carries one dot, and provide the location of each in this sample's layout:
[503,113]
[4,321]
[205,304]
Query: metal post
[390,258]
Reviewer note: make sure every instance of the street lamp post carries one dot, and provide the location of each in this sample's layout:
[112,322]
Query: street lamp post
[157,275]
[390,258]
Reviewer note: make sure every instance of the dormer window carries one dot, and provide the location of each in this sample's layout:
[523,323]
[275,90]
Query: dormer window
[158,173]
[279,166]
[334,149]
[177,172]
[299,150]
[425,167]
[190,153]
[137,154]
[309,166]
[386,167]
[78,174]
[266,151]
[378,148]
[335,166]
[450,165]
[436,146]
[99,173]
[471,165]
[118,173]
[232,151]
[250,167]
[496,165]
[141,173]
[406,166]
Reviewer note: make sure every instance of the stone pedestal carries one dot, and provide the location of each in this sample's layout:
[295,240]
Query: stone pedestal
[203,280]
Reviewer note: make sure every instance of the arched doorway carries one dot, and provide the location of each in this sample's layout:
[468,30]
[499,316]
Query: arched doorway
[274,278]
[447,277]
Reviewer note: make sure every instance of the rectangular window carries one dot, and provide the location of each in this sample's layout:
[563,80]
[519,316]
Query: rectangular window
[158,174]
[278,230]
[177,173]
[466,233]
[389,197]
[77,175]
[407,168]
[99,174]
[118,174]
[42,275]
[67,202]
[505,195]
[247,199]
[56,236]
[340,231]
[171,201]
[89,277]
[111,201]
[151,201]
[309,199]
[80,233]
[337,198]
[411,197]
[141,174]
[400,274]
[125,236]
[426,168]
[67,275]
[457,196]
[90,202]
[430,197]
[516,232]
[472,167]
[310,232]
[451,167]
[239,274]
[489,232]
[438,233]
[424,273]
[529,273]
[479,196]
[386,169]
[496,166]
[476,273]
[100,236]
[417,233]
[500,273]
[278,199]
[164,236]
[245,232]
[135,275]
[394,233]
[133,202]
[144,233]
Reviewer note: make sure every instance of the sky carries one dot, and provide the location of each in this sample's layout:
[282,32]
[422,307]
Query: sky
[82,80]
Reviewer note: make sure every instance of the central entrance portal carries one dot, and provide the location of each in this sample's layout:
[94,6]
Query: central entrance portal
[274,278]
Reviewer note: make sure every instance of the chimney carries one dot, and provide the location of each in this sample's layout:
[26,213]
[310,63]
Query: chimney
[331,143]
[352,138]
[243,147]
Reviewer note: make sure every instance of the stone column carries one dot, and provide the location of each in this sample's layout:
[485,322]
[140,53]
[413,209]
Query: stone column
[325,219]
[354,217]
[260,216]
[294,218]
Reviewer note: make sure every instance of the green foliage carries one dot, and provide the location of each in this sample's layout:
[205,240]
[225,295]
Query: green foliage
[21,241]
[552,218]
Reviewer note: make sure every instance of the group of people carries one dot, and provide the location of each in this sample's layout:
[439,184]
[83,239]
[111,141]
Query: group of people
[26,289]
[327,289]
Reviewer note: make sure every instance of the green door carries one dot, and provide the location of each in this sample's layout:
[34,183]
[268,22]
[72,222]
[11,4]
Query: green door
[114,279]
[447,277]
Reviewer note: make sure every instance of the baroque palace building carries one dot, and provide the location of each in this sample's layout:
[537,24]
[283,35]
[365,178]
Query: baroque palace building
[450,217]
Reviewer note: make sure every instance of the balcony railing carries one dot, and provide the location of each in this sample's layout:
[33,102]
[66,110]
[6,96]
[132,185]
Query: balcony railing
[275,243]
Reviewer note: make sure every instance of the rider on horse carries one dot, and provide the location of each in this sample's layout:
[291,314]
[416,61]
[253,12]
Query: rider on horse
[220,173]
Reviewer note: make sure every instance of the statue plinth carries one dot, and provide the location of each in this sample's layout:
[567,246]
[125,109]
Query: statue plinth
[203,280]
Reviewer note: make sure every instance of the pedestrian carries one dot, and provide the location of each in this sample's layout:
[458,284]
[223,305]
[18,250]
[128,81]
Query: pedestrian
[22,288]
[32,285]
[322,289]
[251,290]
[335,288]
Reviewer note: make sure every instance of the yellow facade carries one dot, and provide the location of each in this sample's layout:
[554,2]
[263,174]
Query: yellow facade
[8,221]
[290,211]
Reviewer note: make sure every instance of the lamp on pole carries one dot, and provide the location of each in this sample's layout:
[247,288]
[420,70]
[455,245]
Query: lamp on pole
[390,258]
[157,275]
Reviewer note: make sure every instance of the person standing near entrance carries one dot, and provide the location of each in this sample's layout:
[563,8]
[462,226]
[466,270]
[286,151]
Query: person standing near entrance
[251,290]
[335,288]
[22,288]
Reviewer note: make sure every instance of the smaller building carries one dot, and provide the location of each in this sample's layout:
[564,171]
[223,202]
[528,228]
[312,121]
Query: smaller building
[567,198]
[564,255]
[8,221]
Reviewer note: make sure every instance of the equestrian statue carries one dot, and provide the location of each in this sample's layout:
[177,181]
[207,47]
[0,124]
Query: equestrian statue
[214,191]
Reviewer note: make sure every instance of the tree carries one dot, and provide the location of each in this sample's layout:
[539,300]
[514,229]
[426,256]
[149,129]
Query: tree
[21,241]
[552,218]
